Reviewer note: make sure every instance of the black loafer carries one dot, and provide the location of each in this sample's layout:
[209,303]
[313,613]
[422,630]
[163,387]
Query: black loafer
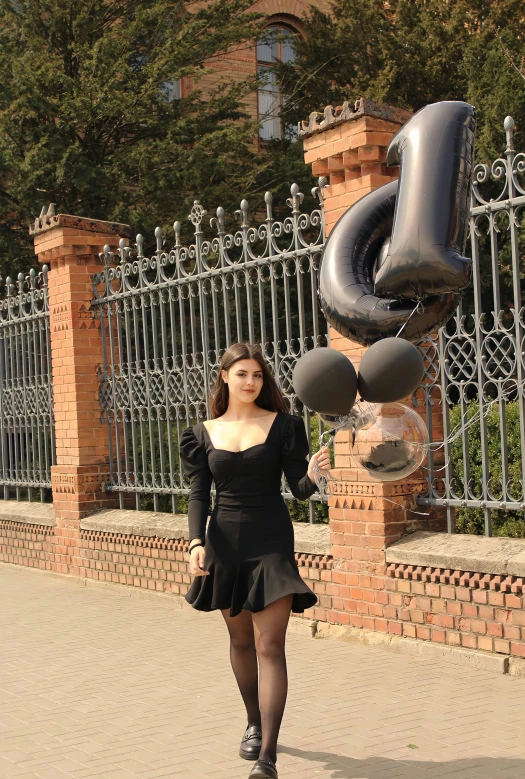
[251,743]
[264,769]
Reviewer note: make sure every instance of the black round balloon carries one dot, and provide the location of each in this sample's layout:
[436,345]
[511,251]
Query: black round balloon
[390,370]
[325,381]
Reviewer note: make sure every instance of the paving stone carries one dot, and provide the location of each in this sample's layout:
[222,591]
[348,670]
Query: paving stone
[98,685]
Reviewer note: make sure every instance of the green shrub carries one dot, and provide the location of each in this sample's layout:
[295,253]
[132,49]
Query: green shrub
[469,520]
[299,509]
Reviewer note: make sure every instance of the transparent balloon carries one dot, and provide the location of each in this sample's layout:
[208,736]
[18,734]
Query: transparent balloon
[333,421]
[393,446]
[361,415]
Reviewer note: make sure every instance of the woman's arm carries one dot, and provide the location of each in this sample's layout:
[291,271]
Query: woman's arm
[194,461]
[199,504]
[298,471]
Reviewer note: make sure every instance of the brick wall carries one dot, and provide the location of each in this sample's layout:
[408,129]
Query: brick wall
[460,608]
[26,544]
[457,608]
[159,564]
[147,562]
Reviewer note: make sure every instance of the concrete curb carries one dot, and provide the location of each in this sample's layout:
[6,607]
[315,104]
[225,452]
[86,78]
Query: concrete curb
[29,513]
[457,552]
[517,667]
[468,658]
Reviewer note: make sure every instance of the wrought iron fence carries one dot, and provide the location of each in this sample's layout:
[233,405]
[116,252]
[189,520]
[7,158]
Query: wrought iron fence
[167,319]
[476,365]
[27,439]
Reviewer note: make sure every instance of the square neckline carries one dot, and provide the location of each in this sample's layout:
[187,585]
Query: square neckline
[241,451]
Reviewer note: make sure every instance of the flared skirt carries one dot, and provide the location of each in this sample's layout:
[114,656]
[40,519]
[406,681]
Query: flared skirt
[251,563]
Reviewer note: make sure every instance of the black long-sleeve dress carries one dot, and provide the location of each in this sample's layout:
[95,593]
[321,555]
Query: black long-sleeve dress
[250,540]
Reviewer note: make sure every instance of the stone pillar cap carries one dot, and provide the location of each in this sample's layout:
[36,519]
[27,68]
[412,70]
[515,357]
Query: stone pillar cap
[48,220]
[363,106]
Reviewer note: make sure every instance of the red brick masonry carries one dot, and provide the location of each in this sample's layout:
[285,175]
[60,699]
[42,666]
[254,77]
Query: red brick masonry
[458,608]
[153,563]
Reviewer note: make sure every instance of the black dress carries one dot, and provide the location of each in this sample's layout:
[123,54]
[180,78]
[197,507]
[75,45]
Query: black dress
[250,540]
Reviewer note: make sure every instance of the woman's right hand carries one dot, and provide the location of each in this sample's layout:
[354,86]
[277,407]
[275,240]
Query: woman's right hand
[197,558]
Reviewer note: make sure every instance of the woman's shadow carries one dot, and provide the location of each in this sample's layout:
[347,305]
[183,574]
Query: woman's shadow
[339,767]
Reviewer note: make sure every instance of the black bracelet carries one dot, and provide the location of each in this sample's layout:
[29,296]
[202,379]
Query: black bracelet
[191,548]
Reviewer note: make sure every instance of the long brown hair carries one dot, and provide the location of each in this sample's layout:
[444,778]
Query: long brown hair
[270,397]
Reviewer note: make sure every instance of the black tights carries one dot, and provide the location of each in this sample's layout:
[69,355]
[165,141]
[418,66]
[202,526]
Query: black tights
[261,636]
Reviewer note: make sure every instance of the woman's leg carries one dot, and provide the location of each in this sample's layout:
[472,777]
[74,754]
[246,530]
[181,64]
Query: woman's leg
[270,635]
[244,661]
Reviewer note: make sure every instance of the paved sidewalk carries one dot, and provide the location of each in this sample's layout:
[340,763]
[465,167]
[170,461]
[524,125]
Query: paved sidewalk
[97,683]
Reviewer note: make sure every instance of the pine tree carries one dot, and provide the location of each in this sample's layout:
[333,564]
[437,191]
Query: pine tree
[85,123]
[413,52]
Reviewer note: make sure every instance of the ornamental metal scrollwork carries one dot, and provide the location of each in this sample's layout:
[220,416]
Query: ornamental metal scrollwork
[27,433]
[481,355]
[167,318]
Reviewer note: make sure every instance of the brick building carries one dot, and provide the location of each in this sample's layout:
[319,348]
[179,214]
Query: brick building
[285,19]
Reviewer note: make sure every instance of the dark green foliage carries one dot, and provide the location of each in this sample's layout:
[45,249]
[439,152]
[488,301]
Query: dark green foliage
[412,52]
[83,123]
[299,510]
[504,523]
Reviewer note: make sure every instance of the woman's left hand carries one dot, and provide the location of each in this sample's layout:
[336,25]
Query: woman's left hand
[322,458]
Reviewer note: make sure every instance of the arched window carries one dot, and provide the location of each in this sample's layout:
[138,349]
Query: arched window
[275,45]
[171,90]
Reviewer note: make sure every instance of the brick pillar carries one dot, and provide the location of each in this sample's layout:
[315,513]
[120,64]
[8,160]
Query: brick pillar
[70,246]
[349,146]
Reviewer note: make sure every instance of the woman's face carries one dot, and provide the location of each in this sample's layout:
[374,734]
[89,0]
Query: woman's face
[244,380]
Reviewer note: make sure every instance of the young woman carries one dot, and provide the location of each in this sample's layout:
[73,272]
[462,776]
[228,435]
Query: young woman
[244,564]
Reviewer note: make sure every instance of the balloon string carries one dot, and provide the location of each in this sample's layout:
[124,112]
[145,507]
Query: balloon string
[325,480]
[435,470]
[459,429]
[419,308]
[462,426]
